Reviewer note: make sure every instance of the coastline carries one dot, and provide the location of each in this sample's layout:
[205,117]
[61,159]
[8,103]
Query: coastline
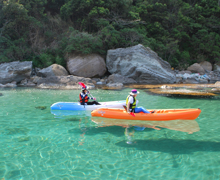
[198,90]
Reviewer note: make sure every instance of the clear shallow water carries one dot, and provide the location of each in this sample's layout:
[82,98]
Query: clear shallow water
[36,145]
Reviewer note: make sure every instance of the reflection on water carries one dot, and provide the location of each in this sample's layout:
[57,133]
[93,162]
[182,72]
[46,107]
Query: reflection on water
[189,126]
[64,113]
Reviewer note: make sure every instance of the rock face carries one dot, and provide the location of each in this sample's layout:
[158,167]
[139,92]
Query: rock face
[92,65]
[196,68]
[64,82]
[141,64]
[53,70]
[15,71]
[117,78]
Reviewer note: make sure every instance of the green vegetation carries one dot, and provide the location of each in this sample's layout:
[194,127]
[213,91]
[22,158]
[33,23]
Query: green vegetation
[44,31]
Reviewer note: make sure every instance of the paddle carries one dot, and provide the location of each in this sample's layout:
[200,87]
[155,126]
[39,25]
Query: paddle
[131,113]
[84,86]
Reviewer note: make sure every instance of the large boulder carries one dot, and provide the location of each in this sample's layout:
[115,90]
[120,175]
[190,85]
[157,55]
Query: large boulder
[53,70]
[217,67]
[206,65]
[15,71]
[141,64]
[117,78]
[196,68]
[64,82]
[91,65]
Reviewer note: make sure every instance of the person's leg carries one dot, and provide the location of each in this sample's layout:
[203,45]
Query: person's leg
[141,109]
[93,102]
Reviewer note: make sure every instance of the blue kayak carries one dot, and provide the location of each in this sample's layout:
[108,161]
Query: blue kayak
[76,106]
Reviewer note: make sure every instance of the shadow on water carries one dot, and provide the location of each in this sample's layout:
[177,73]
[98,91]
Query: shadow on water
[114,130]
[193,97]
[173,146]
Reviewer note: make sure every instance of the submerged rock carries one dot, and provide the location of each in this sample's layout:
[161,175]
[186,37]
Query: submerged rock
[41,107]
[183,92]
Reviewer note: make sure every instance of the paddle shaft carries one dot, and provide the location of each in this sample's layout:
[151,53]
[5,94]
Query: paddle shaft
[90,94]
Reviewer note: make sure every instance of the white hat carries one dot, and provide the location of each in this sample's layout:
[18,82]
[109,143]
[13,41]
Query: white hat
[134,92]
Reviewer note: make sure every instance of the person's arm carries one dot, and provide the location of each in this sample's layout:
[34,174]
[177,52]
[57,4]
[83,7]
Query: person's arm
[128,105]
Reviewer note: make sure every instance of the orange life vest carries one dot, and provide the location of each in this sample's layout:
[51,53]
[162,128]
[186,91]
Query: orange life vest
[85,100]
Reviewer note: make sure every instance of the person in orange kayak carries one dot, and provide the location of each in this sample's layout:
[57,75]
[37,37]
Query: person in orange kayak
[131,103]
[84,97]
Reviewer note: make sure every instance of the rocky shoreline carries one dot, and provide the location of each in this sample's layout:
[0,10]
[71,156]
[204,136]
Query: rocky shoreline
[135,66]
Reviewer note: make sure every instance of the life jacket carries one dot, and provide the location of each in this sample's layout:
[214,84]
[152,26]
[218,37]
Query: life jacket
[133,105]
[83,100]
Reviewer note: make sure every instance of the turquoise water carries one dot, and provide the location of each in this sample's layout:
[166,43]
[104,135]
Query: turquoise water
[36,145]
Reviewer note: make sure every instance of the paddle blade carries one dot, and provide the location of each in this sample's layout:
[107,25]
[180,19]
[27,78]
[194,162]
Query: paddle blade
[82,84]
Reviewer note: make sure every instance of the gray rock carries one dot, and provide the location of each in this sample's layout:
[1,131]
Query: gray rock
[114,85]
[183,72]
[203,81]
[217,67]
[206,65]
[27,83]
[53,70]
[117,78]
[35,79]
[15,71]
[64,82]
[190,81]
[92,65]
[141,64]
[9,85]
[196,68]
[179,80]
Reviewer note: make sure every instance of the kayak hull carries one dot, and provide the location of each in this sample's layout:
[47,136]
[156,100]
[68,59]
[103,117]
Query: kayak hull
[75,106]
[158,115]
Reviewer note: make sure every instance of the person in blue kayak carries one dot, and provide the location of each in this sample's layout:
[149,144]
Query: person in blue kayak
[131,103]
[84,97]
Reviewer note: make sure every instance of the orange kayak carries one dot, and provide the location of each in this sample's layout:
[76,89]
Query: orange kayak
[158,115]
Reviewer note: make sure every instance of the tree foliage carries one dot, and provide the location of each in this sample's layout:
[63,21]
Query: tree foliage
[180,31]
